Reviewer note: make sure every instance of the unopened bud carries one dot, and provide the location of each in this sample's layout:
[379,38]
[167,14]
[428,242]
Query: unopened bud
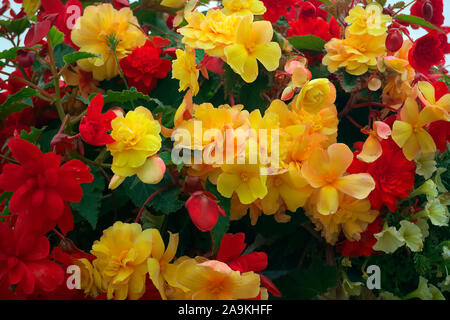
[394,41]
[427,10]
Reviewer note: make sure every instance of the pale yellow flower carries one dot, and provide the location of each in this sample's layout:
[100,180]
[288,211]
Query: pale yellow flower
[243,7]
[370,20]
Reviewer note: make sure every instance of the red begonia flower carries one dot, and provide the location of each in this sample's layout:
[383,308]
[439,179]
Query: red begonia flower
[393,175]
[363,247]
[24,260]
[42,187]
[437,17]
[94,125]
[204,210]
[144,66]
[428,51]
[230,251]
[315,26]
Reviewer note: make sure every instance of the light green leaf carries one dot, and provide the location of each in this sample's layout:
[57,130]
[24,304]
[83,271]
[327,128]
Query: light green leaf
[417,21]
[75,56]
[308,42]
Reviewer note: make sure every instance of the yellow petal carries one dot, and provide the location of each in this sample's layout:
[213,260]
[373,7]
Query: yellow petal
[152,171]
[411,147]
[171,249]
[155,275]
[227,183]
[427,90]
[236,55]
[426,142]
[261,32]
[401,132]
[246,286]
[157,244]
[269,55]
[328,201]
[410,111]
[356,185]
[250,70]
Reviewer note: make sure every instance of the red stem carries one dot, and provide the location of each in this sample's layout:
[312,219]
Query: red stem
[138,217]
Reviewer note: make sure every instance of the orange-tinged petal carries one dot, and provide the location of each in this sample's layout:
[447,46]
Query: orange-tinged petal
[430,114]
[192,276]
[261,32]
[152,171]
[444,102]
[401,132]
[410,111]
[371,150]
[328,201]
[316,167]
[246,286]
[356,185]
[171,249]
[340,158]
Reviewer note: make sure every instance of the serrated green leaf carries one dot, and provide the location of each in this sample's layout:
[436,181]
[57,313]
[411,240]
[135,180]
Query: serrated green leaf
[75,56]
[55,36]
[124,96]
[417,21]
[398,5]
[33,135]
[382,2]
[60,51]
[89,206]
[349,82]
[17,102]
[304,284]
[16,26]
[308,42]
[167,201]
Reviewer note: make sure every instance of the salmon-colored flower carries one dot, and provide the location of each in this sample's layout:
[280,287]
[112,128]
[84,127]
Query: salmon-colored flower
[325,171]
[372,149]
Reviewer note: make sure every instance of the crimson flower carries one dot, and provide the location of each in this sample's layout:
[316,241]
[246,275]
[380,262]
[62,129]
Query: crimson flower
[64,16]
[41,187]
[276,9]
[94,125]
[24,260]
[230,251]
[204,210]
[428,51]
[363,247]
[437,18]
[440,130]
[315,26]
[144,66]
[393,175]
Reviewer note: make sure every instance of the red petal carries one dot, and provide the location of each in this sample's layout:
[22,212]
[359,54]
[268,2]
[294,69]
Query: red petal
[266,283]
[255,261]
[25,152]
[12,177]
[48,274]
[231,247]
[95,107]
[203,212]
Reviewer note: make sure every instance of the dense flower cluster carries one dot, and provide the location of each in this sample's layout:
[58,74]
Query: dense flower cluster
[171,132]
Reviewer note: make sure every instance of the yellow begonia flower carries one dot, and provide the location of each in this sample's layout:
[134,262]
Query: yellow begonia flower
[352,218]
[212,32]
[356,54]
[244,179]
[289,188]
[173,3]
[137,139]
[185,70]
[31,6]
[388,240]
[370,20]
[412,235]
[92,30]
[160,258]
[372,149]
[315,95]
[408,132]
[325,170]
[243,7]
[253,43]
[238,210]
[87,275]
[440,107]
[121,261]
[215,280]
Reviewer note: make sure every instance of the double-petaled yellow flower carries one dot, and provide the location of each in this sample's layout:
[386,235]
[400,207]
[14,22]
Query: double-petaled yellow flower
[185,69]
[370,20]
[243,7]
[98,31]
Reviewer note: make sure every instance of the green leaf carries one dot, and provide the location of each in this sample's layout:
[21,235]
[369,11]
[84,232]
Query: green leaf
[33,135]
[308,42]
[138,191]
[89,206]
[124,96]
[382,2]
[349,82]
[167,201]
[328,2]
[55,36]
[16,26]
[168,114]
[305,284]
[398,5]
[60,51]
[17,102]
[417,21]
[152,221]
[75,56]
